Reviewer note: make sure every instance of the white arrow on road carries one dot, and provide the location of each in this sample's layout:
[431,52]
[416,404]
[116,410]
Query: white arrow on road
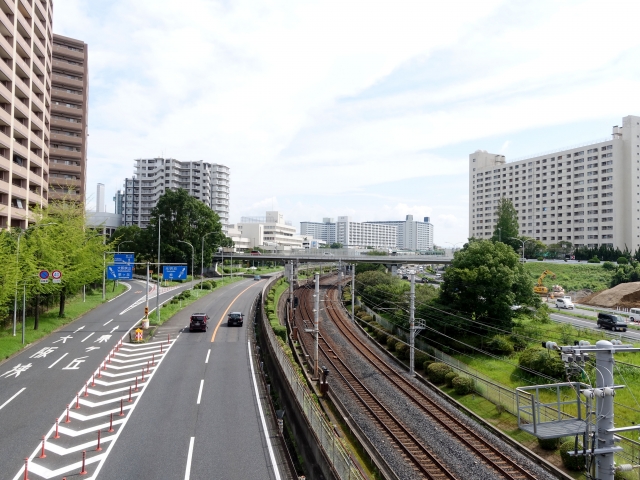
[114,329]
[81,328]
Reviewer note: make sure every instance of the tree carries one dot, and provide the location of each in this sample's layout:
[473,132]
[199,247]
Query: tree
[485,280]
[9,270]
[507,225]
[533,248]
[336,245]
[183,217]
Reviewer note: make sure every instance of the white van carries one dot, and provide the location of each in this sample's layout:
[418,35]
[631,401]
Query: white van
[564,302]
[634,315]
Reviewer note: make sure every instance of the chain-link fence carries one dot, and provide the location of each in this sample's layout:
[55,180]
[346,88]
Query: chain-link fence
[334,451]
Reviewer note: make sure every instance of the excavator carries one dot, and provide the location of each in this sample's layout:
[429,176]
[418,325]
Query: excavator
[556,290]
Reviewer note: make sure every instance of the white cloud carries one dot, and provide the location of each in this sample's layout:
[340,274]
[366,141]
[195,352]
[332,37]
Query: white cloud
[323,106]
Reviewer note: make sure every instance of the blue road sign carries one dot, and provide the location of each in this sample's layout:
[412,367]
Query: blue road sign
[123,258]
[119,272]
[174,272]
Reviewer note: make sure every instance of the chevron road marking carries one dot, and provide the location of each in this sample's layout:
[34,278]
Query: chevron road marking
[92,416]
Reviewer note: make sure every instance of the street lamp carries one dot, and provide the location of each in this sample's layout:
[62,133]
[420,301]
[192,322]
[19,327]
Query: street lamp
[499,234]
[523,242]
[15,298]
[202,259]
[192,255]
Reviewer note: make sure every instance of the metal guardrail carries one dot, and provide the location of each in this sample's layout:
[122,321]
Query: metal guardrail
[334,451]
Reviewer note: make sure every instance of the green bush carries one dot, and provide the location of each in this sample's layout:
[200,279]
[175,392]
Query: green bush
[361,313]
[448,378]
[366,318]
[381,336]
[608,266]
[623,261]
[593,260]
[419,358]
[462,385]
[357,309]
[402,349]
[541,259]
[500,344]
[518,342]
[437,372]
[391,343]
[543,361]
[549,443]
[571,462]
[425,365]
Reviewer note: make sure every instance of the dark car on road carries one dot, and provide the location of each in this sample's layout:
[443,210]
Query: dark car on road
[198,321]
[612,322]
[235,318]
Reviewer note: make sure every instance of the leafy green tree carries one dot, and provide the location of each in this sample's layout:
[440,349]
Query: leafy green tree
[183,217]
[507,224]
[336,245]
[485,280]
[9,270]
[533,248]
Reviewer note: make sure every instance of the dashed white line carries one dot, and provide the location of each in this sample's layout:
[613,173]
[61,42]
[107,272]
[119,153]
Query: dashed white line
[114,329]
[7,402]
[187,472]
[200,392]
[207,359]
[85,338]
[58,360]
[108,323]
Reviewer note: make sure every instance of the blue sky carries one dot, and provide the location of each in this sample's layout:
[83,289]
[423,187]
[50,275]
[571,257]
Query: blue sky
[360,108]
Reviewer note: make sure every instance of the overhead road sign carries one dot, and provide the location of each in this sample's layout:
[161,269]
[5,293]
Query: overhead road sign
[119,272]
[123,258]
[44,276]
[57,276]
[174,272]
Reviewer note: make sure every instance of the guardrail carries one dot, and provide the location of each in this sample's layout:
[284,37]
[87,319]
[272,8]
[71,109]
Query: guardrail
[334,451]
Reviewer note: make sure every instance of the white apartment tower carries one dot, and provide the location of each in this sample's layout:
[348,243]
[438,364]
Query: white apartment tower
[323,231]
[208,182]
[362,234]
[412,234]
[587,195]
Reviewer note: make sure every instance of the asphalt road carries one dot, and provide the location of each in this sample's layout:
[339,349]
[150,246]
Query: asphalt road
[38,384]
[199,417]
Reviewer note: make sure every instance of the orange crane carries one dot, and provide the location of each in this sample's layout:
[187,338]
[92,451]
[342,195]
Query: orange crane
[539,288]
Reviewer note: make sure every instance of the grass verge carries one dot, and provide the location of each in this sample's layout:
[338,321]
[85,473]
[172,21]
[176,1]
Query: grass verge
[49,320]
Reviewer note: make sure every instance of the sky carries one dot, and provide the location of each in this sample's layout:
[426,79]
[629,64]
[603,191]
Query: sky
[361,108]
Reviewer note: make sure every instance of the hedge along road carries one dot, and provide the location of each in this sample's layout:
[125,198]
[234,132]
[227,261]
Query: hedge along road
[38,383]
[200,417]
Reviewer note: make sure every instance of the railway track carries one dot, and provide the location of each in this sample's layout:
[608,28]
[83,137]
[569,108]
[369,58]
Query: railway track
[412,449]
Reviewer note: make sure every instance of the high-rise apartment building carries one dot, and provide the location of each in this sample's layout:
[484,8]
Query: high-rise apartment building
[587,195]
[208,182]
[69,108]
[412,234]
[322,231]
[25,96]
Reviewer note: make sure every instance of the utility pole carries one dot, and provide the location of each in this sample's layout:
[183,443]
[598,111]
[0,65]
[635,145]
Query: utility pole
[412,324]
[340,278]
[290,290]
[353,291]
[146,304]
[158,287]
[316,314]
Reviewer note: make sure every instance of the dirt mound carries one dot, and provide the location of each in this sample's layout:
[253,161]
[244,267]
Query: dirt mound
[625,295]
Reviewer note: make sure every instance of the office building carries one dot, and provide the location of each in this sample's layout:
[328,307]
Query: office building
[208,182]
[587,195]
[271,232]
[362,234]
[100,206]
[118,200]
[412,234]
[325,230]
[69,120]
[25,95]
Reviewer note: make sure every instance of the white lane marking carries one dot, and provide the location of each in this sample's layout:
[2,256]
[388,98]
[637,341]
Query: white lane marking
[108,323]
[207,359]
[85,338]
[200,392]
[7,402]
[187,472]
[264,423]
[128,288]
[58,360]
[114,329]
[82,327]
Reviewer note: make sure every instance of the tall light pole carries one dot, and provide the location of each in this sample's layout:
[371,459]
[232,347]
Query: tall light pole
[202,259]
[15,298]
[158,288]
[523,242]
[192,255]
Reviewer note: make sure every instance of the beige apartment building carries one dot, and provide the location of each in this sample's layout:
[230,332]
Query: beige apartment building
[25,98]
[588,195]
[69,107]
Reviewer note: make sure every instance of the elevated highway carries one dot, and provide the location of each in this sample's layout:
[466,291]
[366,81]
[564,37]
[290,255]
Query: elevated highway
[344,257]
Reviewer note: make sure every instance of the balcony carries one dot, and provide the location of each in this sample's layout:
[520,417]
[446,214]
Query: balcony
[5,43]
[6,21]
[35,121]
[67,67]
[58,94]
[63,183]
[24,66]
[56,122]
[60,152]
[62,109]
[23,43]
[37,82]
[26,4]
[20,106]
[6,69]
[63,168]
[5,116]
[67,52]
[24,22]
[63,79]
[20,150]
[67,139]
